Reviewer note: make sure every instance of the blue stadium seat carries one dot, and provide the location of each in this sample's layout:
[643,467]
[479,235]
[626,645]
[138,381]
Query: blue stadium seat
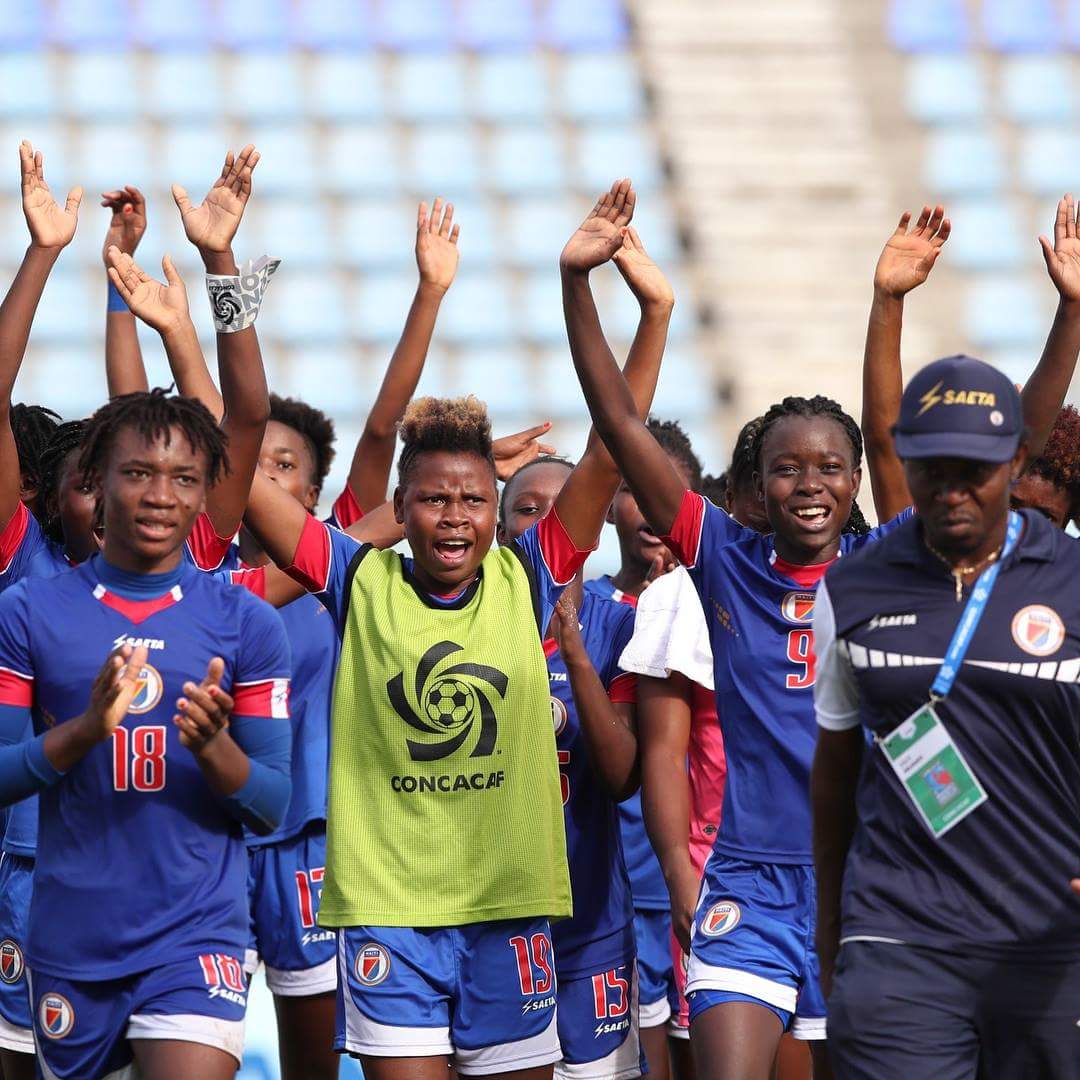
[439,379]
[961,162]
[69,311]
[192,156]
[945,89]
[26,86]
[252,24]
[101,85]
[1048,158]
[334,380]
[1031,26]
[287,165]
[378,314]
[183,86]
[306,307]
[929,25]
[477,310]
[443,160]
[540,314]
[659,232]
[558,396]
[495,24]
[685,388]
[331,24]
[482,240]
[604,154]
[109,155]
[537,230]
[345,86]
[362,159]
[66,378]
[264,86]
[526,160]
[1037,89]
[599,24]
[298,231]
[500,377]
[986,236]
[166,25]
[374,234]
[22,25]
[1004,312]
[511,87]
[418,24]
[601,86]
[80,24]
[428,86]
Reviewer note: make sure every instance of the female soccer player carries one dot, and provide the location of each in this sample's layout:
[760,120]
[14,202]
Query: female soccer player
[135,755]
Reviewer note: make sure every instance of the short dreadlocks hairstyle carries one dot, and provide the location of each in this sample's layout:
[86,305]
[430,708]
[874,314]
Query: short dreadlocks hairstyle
[457,425]
[154,414]
[67,438]
[542,459]
[676,443]
[809,407]
[314,425]
[33,427]
[1060,460]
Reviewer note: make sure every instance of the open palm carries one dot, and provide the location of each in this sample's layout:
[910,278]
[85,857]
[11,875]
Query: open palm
[645,278]
[213,223]
[159,306]
[599,236]
[50,226]
[436,244]
[1063,259]
[908,257]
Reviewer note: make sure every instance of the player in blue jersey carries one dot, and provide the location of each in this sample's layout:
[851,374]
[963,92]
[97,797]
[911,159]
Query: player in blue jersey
[134,755]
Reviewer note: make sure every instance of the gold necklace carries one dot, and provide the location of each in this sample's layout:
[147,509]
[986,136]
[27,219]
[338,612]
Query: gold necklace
[960,572]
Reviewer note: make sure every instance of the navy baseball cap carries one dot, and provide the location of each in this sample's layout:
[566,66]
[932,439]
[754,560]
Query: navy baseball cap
[959,407]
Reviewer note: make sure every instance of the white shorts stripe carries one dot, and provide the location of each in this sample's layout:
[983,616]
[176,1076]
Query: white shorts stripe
[703,976]
[227,1035]
[320,979]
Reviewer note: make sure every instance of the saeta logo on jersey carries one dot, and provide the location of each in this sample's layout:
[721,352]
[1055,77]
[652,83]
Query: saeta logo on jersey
[798,607]
[56,1017]
[721,919]
[372,964]
[149,688]
[11,961]
[1038,630]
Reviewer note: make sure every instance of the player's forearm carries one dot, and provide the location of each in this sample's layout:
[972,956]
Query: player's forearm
[17,312]
[275,519]
[188,365]
[1044,393]
[125,372]
[251,772]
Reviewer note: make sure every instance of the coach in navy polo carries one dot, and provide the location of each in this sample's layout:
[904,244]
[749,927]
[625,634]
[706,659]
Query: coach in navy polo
[953,945]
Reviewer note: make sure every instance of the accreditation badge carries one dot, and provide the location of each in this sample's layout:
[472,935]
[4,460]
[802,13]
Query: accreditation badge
[937,779]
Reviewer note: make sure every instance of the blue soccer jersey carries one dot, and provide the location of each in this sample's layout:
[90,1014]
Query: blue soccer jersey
[601,934]
[139,861]
[759,612]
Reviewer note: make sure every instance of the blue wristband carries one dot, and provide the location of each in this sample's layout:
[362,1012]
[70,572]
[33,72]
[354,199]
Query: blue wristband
[116,301]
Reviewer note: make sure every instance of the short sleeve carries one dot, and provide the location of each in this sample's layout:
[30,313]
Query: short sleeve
[836,693]
[321,565]
[346,510]
[20,540]
[16,663]
[620,685]
[701,526]
[263,664]
[887,527]
[252,578]
[555,560]
[204,547]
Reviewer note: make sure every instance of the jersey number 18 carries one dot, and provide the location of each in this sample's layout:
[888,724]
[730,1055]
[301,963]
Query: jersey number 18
[139,758]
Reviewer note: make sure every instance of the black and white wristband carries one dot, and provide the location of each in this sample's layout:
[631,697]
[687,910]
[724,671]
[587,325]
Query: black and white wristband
[235,299]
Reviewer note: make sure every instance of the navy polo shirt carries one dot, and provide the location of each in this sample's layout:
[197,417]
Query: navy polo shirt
[998,882]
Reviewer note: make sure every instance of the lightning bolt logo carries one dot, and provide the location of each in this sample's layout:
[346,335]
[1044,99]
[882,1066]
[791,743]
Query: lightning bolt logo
[930,399]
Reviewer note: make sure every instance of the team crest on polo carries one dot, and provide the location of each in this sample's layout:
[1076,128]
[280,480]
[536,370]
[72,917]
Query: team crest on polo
[372,964]
[56,1017]
[149,688]
[1038,630]
[558,715]
[11,961]
[798,607]
[721,919]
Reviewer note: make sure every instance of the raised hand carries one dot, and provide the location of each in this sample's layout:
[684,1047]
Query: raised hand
[1063,259]
[645,278]
[164,307]
[436,245]
[113,691]
[212,224]
[599,236]
[908,257]
[512,451]
[50,226]
[205,709]
[128,221]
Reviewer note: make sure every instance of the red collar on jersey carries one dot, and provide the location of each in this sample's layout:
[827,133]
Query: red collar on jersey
[806,577]
[138,611]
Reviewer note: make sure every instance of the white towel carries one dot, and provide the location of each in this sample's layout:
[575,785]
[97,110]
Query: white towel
[670,633]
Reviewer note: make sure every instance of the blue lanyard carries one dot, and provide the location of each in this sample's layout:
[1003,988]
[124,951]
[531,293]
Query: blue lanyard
[973,612]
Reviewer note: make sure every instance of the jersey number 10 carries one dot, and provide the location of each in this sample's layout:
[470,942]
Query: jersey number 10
[139,758]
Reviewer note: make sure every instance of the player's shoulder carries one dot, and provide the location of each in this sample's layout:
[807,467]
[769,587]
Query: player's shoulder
[604,613]
[868,556]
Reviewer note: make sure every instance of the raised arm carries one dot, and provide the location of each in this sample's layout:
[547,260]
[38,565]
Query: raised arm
[904,264]
[615,414]
[1044,393]
[124,369]
[51,229]
[437,261]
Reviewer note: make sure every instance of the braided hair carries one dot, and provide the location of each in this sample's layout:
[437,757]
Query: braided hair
[744,458]
[314,425]
[67,437]
[154,414]
[33,427]
[810,407]
[542,459]
[456,425]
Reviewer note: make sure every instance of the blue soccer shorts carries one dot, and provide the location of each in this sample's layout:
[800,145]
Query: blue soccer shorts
[753,940]
[652,934]
[16,885]
[284,888]
[598,1025]
[482,994]
[84,1029]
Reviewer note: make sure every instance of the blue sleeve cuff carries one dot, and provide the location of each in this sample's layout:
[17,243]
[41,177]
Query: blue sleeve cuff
[115,301]
[39,764]
[261,803]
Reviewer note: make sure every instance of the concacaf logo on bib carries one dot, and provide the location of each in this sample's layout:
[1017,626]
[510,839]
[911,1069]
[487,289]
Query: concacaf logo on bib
[149,688]
[1038,630]
[56,1017]
[798,607]
[11,961]
[721,919]
[372,964]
